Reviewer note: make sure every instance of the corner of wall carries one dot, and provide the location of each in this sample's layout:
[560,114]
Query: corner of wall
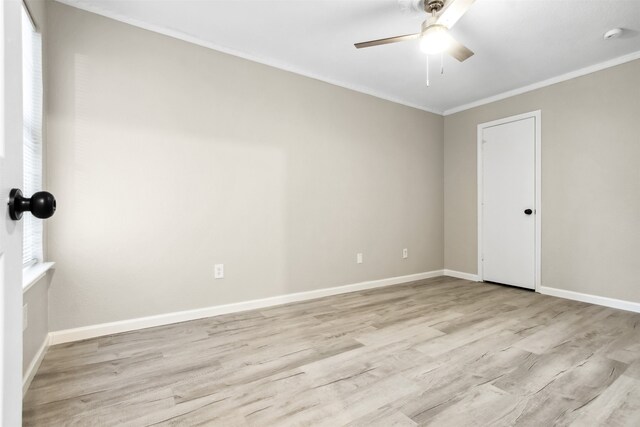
[36,335]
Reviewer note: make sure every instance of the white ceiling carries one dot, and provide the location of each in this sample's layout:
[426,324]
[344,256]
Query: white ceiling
[516,42]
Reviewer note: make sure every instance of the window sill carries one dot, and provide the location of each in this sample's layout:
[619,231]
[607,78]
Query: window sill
[33,273]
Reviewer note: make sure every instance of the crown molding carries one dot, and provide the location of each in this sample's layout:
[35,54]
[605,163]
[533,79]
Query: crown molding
[548,82]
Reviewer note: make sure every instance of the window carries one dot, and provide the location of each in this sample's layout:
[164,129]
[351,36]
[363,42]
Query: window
[31,134]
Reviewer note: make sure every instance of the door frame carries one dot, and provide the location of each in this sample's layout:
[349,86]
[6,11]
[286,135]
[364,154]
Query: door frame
[11,142]
[537,115]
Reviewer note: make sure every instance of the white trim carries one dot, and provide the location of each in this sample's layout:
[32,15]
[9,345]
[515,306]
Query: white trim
[537,115]
[33,273]
[548,82]
[538,208]
[255,58]
[461,275]
[593,299]
[76,334]
[34,365]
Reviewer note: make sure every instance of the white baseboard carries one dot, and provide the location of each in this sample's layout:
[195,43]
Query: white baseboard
[34,365]
[461,275]
[76,334]
[593,299]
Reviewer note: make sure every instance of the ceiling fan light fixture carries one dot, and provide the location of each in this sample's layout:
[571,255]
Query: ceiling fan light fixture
[435,39]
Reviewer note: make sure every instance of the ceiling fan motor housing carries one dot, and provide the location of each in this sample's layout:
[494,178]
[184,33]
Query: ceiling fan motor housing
[431,6]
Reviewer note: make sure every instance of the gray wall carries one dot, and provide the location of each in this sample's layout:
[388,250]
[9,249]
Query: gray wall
[590,182]
[167,158]
[36,298]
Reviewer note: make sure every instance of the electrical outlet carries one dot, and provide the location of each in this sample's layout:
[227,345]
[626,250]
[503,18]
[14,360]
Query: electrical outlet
[405,253]
[25,317]
[218,271]
[359,258]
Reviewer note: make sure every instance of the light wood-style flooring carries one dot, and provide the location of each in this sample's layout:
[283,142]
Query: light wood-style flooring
[442,352]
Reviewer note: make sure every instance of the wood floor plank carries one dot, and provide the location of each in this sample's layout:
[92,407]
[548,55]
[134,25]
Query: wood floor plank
[618,405]
[442,351]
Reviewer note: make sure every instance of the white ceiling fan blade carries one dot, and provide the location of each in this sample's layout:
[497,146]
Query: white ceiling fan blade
[388,40]
[453,11]
[459,51]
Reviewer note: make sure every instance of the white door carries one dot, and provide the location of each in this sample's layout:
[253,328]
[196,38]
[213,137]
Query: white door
[508,196]
[10,231]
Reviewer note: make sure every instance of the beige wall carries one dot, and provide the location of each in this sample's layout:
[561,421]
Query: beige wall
[167,158]
[590,182]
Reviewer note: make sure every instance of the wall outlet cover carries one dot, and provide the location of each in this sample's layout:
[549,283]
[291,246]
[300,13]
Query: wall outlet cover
[218,271]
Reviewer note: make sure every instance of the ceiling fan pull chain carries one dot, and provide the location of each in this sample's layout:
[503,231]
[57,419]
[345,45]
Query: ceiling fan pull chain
[427,70]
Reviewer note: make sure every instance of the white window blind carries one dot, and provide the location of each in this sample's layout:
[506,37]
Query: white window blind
[32,135]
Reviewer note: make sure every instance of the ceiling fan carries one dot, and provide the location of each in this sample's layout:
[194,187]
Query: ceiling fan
[434,36]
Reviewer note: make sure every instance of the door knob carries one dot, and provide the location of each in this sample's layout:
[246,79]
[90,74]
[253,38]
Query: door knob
[528,211]
[41,205]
